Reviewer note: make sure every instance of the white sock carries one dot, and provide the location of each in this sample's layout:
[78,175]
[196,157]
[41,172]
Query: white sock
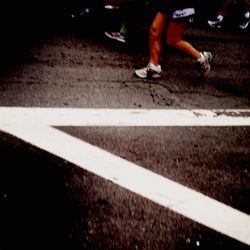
[220,17]
[154,67]
[247,14]
[201,59]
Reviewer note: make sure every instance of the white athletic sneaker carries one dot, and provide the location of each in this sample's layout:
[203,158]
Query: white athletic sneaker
[116,36]
[244,23]
[203,63]
[216,23]
[149,72]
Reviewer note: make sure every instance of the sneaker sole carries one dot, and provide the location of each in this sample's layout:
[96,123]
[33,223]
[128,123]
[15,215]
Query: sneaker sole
[114,38]
[154,76]
[207,71]
[214,26]
[244,27]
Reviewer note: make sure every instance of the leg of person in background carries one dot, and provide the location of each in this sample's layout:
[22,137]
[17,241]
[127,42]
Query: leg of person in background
[246,18]
[218,21]
[174,38]
[128,17]
[116,27]
[123,29]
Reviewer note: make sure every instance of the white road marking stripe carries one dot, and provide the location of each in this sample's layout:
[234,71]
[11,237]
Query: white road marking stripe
[126,117]
[163,191]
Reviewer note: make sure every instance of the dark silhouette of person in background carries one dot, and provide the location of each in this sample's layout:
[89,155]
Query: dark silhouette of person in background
[223,12]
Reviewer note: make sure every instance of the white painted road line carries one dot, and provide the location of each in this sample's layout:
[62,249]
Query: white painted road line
[163,191]
[126,117]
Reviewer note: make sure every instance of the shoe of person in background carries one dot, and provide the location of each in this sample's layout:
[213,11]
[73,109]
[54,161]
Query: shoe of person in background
[244,23]
[216,23]
[150,71]
[203,63]
[116,36]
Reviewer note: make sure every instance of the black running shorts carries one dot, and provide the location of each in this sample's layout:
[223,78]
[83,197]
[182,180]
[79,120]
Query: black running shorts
[179,11]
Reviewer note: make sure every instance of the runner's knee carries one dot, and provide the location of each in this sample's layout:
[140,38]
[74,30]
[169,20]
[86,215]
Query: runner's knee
[154,32]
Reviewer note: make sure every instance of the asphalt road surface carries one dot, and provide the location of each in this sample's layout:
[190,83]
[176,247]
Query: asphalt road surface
[85,164]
